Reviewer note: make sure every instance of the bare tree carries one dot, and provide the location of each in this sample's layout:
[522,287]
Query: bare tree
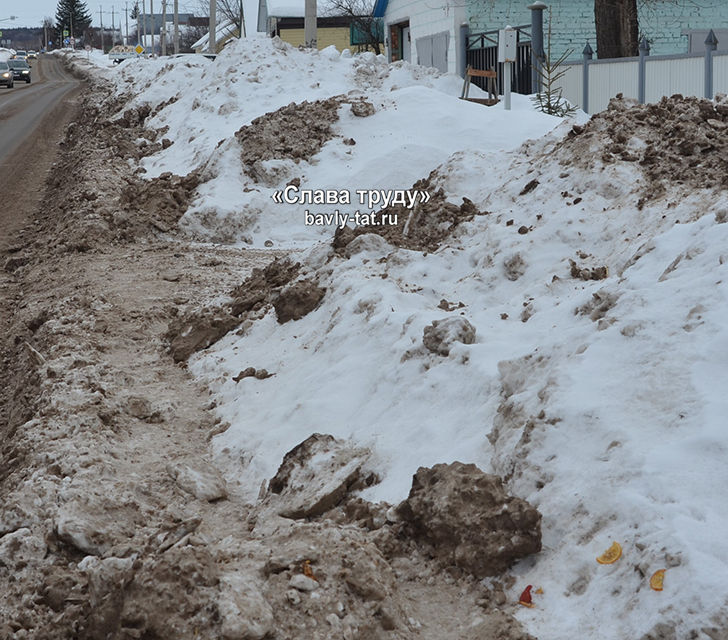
[365,27]
[229,10]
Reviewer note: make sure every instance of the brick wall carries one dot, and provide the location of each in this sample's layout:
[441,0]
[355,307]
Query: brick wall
[573,21]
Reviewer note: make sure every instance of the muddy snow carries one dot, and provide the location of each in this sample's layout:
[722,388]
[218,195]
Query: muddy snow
[223,422]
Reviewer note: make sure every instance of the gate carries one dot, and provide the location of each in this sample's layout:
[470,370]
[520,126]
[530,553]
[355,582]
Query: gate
[482,53]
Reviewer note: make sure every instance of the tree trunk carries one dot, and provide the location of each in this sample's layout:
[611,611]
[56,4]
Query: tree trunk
[617,29]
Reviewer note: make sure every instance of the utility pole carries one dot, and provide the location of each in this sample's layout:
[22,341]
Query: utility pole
[126,15]
[137,21]
[113,34]
[154,24]
[163,32]
[309,25]
[176,27]
[211,39]
[144,22]
[101,20]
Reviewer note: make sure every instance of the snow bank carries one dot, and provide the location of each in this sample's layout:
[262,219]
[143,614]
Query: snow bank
[599,400]
[593,384]
[418,123]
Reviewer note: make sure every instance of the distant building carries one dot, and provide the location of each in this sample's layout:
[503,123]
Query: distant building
[285,19]
[154,21]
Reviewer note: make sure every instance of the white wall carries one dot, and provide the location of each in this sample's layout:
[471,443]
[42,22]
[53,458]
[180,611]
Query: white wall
[425,21]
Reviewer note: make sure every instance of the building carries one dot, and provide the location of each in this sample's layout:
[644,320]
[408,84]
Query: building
[225,31]
[670,27]
[285,19]
[434,33]
[426,33]
[154,21]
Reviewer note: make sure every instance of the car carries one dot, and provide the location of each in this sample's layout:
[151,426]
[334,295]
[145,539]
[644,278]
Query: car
[6,75]
[32,55]
[20,55]
[21,70]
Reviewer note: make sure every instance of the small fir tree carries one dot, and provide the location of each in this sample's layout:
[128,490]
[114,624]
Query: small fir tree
[549,99]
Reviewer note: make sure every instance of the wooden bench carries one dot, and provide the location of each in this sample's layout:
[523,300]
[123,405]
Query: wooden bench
[492,86]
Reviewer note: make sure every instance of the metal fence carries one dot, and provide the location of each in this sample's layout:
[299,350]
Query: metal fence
[482,53]
[590,84]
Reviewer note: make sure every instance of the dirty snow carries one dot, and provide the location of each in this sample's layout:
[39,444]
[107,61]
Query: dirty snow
[600,401]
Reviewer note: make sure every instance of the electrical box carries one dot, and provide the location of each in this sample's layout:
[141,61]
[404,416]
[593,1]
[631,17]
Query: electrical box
[507,45]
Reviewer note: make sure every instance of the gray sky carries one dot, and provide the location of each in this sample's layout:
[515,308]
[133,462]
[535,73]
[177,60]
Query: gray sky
[30,13]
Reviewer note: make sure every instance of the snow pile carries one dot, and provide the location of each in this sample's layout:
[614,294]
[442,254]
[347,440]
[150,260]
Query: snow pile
[592,385]
[94,59]
[568,335]
[417,123]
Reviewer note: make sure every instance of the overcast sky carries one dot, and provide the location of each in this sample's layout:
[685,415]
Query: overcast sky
[30,13]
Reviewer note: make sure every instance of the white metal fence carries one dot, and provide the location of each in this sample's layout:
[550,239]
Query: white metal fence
[590,84]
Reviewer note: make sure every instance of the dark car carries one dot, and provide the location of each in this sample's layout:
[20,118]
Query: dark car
[21,69]
[6,75]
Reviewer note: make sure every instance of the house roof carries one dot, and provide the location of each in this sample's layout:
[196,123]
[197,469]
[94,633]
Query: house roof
[380,8]
[222,31]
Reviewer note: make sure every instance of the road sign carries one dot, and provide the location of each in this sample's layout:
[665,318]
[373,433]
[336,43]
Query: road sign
[88,47]
[73,42]
[139,49]
[65,33]
[1,34]
[66,41]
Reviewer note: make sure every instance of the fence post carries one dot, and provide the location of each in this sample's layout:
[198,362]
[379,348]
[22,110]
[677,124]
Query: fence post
[463,61]
[588,52]
[537,53]
[711,44]
[644,52]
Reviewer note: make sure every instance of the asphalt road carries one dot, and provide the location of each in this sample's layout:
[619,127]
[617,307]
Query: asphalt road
[32,118]
[22,108]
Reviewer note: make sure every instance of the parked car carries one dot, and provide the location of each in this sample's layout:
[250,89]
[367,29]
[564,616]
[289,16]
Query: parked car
[21,70]
[122,52]
[6,75]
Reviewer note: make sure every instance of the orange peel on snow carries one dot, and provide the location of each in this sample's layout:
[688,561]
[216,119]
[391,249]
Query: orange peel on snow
[308,571]
[611,555]
[657,579]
